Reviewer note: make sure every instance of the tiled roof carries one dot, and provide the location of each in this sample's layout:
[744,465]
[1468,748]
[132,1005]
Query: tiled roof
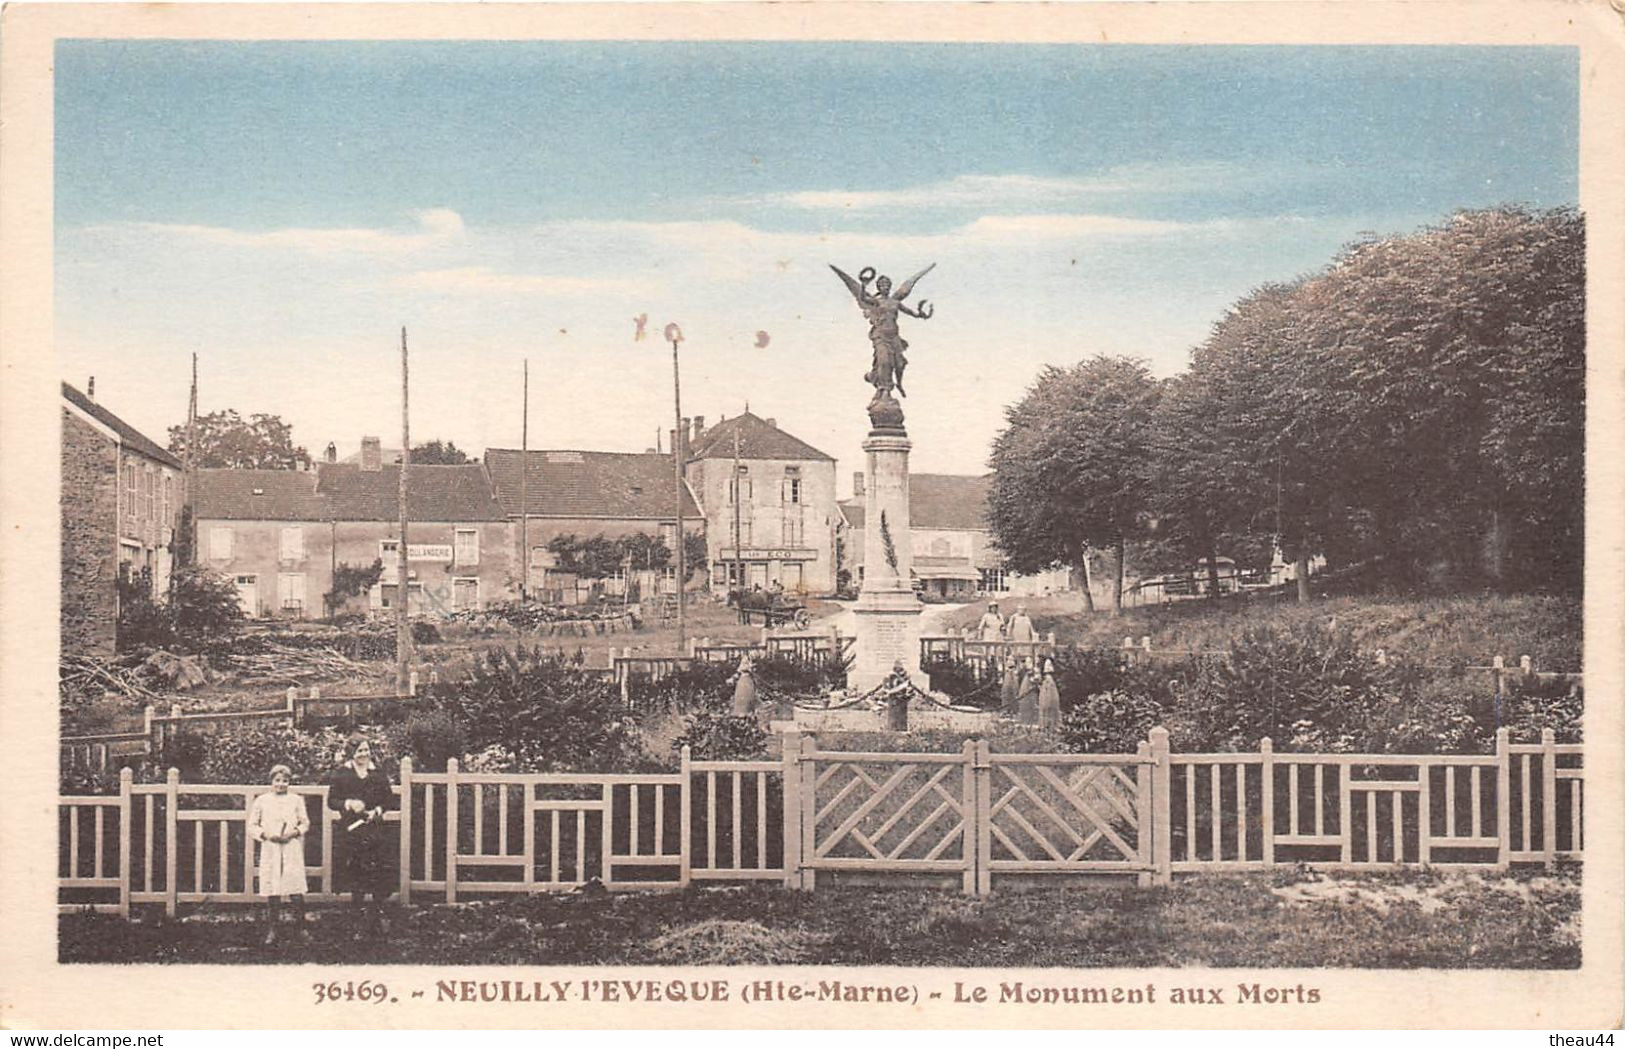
[948,501]
[433,493]
[757,440]
[258,495]
[937,501]
[613,485]
[340,492]
[132,438]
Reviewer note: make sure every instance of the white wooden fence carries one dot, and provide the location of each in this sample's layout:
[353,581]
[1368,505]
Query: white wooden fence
[974,816]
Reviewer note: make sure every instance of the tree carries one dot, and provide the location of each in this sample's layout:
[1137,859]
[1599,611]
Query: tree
[1071,469]
[436,453]
[225,439]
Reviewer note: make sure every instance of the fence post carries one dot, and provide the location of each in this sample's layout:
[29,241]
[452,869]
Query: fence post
[1161,795]
[809,811]
[1143,811]
[984,818]
[1266,754]
[146,727]
[406,830]
[1503,793]
[685,805]
[126,779]
[969,793]
[1498,672]
[1548,795]
[451,830]
[412,682]
[790,754]
[172,792]
[1526,667]
[1128,651]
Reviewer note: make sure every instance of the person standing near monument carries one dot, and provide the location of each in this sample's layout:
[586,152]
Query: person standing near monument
[1027,695]
[1020,627]
[991,626]
[1049,699]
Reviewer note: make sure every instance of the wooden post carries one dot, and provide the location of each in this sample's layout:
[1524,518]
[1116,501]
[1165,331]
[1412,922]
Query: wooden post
[790,755]
[1503,795]
[1161,802]
[1548,795]
[451,831]
[126,780]
[1424,816]
[172,845]
[1345,810]
[146,727]
[1266,753]
[984,818]
[1526,666]
[685,805]
[1498,672]
[606,836]
[406,830]
[1145,822]
[971,880]
[809,811]
[1128,651]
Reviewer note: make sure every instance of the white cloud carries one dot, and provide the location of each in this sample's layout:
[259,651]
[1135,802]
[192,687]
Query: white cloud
[482,280]
[436,227]
[1003,191]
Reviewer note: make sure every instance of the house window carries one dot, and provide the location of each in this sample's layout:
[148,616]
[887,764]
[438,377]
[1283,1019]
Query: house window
[389,554]
[129,491]
[739,484]
[465,593]
[792,531]
[220,543]
[993,580]
[740,533]
[792,490]
[169,484]
[466,550]
[149,493]
[290,592]
[293,544]
[668,535]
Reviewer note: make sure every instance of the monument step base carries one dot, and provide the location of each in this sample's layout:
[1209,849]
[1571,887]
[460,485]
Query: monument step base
[922,718]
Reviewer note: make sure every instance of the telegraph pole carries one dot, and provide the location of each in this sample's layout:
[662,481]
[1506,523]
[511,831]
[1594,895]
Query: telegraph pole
[403,625]
[739,537]
[675,335]
[524,503]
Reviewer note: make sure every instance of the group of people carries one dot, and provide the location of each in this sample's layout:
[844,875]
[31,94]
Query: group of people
[1029,696]
[364,864]
[994,627]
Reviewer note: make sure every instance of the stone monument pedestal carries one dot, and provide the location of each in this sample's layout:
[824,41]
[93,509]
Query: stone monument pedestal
[887,610]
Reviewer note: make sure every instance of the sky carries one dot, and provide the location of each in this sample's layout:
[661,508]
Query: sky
[282,209]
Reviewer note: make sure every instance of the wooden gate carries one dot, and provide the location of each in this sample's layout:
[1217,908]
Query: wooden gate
[1070,814]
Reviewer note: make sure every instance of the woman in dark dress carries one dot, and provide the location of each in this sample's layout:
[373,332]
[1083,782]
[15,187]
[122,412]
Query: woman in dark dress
[364,860]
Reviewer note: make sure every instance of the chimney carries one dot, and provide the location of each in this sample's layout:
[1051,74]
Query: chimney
[671,440]
[90,388]
[699,427]
[332,454]
[372,454]
[774,423]
[857,483]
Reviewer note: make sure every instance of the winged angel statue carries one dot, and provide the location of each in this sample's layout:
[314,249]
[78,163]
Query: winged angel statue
[881,306]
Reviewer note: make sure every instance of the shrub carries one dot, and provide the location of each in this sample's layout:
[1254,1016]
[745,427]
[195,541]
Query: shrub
[186,752]
[717,736]
[552,714]
[245,755]
[432,738]
[697,686]
[424,633]
[801,678]
[201,608]
[1110,723]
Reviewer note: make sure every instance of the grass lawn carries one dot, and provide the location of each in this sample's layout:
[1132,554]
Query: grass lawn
[1467,629]
[1392,920]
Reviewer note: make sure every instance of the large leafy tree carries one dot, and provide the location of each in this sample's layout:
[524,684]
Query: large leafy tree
[439,453]
[226,439]
[1071,469]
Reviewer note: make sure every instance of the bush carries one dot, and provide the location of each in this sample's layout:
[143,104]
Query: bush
[425,633]
[245,755]
[801,678]
[200,609]
[699,686]
[1110,723]
[718,736]
[553,715]
[432,738]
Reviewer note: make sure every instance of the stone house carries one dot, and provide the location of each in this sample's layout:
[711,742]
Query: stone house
[955,557]
[121,499]
[587,494]
[281,535]
[786,509]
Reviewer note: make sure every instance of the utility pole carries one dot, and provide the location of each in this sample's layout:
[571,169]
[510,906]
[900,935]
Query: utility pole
[524,503]
[191,475]
[739,536]
[675,335]
[403,625]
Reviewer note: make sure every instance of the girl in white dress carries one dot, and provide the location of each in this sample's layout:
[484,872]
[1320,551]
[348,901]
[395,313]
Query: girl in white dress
[278,821]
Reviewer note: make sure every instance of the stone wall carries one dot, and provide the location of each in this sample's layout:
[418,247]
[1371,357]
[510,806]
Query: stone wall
[89,546]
